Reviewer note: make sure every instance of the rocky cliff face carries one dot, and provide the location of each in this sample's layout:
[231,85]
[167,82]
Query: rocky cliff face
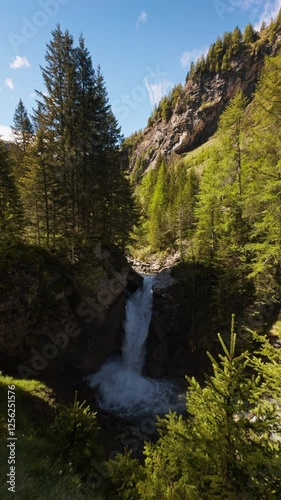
[197,111]
[186,319]
[179,332]
[56,318]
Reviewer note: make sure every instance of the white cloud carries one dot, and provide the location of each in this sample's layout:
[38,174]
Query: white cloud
[9,83]
[246,4]
[157,90]
[142,19]
[5,133]
[258,10]
[270,11]
[20,62]
[192,55]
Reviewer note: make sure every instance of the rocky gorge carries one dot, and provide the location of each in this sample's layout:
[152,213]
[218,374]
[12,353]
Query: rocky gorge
[63,324]
[58,320]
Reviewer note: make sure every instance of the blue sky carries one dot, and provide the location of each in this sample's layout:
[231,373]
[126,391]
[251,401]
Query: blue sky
[144,47]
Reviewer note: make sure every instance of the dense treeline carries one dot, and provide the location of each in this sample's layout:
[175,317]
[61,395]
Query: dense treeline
[225,214]
[63,180]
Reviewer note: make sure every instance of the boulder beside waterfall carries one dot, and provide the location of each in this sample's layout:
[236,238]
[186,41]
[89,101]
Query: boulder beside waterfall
[178,328]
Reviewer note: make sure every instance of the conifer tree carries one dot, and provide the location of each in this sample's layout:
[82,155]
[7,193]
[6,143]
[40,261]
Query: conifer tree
[11,214]
[211,58]
[230,446]
[227,41]
[222,231]
[218,50]
[236,40]
[263,187]
[208,212]
[23,133]
[187,189]
[22,127]
[249,34]
[81,166]
[192,70]
[157,210]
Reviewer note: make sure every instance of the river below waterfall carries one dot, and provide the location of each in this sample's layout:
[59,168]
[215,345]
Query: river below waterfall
[122,389]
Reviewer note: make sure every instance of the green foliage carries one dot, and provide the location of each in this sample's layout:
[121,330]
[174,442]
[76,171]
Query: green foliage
[166,109]
[40,472]
[11,213]
[222,230]
[249,35]
[74,434]
[157,209]
[167,195]
[22,127]
[230,446]
[236,40]
[231,221]
[262,204]
[124,474]
[70,176]
[35,404]
[176,94]
[223,52]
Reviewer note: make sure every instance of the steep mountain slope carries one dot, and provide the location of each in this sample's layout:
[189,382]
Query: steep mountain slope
[195,109]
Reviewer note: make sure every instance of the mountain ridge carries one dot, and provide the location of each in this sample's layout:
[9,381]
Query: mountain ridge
[194,115]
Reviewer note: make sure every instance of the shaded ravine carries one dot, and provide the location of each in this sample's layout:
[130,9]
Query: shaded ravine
[121,387]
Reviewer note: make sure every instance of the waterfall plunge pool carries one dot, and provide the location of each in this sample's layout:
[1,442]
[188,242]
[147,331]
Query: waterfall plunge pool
[122,389]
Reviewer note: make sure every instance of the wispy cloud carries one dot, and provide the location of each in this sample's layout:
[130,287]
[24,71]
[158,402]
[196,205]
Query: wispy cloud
[192,55]
[143,18]
[5,133]
[259,10]
[9,83]
[269,11]
[246,4]
[20,62]
[157,90]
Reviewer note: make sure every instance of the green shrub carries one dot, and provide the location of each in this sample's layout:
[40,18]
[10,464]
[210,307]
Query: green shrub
[124,474]
[74,434]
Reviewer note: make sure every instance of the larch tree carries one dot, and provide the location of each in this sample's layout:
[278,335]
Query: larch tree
[263,203]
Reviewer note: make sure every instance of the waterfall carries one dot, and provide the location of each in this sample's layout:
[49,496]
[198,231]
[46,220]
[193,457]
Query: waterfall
[121,387]
[138,315]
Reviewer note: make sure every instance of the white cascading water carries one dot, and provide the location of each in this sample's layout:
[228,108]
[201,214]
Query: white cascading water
[122,388]
[138,315]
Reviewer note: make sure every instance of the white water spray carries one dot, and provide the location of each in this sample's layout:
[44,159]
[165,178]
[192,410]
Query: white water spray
[122,389]
[138,315]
